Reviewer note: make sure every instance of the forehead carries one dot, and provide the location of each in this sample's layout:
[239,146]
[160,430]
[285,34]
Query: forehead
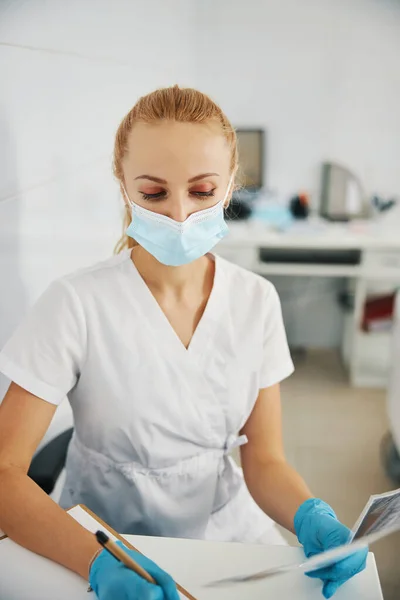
[171,149]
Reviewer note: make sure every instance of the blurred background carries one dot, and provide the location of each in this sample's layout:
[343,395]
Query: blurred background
[313,88]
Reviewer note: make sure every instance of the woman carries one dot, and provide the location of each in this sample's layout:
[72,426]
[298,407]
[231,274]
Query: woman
[170,357]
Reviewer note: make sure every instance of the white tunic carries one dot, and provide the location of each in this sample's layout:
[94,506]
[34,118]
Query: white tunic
[154,421]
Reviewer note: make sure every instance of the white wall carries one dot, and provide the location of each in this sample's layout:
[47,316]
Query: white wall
[323,78]
[321,75]
[69,73]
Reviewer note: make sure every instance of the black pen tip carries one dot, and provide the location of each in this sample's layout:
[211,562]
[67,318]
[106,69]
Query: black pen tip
[101,537]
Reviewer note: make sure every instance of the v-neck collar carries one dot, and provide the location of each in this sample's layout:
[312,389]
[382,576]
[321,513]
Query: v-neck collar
[158,321]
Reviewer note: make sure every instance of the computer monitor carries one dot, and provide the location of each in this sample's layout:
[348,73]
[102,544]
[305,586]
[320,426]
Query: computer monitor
[251,143]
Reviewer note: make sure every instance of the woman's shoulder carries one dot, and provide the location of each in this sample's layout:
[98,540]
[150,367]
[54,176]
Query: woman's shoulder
[102,272]
[101,280]
[102,269]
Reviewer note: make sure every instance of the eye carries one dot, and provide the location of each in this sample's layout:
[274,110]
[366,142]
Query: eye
[156,196]
[162,194]
[203,194]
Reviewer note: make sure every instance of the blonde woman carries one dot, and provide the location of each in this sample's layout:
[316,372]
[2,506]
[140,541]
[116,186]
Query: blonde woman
[170,357]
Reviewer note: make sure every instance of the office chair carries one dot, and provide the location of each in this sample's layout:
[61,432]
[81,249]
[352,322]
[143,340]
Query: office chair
[47,464]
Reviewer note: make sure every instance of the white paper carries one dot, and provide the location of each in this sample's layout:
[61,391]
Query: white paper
[88,522]
[381,512]
[320,561]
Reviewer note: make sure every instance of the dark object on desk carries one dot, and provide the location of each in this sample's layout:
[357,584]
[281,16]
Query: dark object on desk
[299,206]
[313,256]
[382,205]
[48,463]
[238,210]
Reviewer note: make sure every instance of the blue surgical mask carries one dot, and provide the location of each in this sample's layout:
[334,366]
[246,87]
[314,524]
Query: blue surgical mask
[173,243]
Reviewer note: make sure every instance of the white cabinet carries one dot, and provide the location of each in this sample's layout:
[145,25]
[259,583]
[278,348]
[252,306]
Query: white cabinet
[368,355]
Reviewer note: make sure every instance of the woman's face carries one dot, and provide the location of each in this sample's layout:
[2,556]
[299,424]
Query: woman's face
[176,169]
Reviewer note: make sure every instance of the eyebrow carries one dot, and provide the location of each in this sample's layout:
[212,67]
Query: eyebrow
[191,180]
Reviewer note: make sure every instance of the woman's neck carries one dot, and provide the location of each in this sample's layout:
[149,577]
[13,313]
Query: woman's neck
[166,279]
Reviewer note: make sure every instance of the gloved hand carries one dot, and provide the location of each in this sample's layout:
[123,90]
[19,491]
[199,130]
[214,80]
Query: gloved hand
[318,529]
[111,580]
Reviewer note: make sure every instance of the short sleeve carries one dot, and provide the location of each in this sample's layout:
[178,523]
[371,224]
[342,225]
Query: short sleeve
[45,353]
[277,363]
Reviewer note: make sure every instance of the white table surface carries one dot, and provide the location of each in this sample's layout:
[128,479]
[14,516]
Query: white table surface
[26,576]
[306,235]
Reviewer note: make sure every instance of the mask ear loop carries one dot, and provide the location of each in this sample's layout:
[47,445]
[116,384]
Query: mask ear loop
[228,191]
[127,199]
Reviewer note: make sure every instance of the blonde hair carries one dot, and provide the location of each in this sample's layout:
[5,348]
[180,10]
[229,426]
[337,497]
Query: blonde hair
[183,105]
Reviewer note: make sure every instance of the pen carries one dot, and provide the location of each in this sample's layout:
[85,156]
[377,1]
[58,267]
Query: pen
[122,556]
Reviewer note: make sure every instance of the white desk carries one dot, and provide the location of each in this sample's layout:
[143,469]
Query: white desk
[379,262]
[380,254]
[192,563]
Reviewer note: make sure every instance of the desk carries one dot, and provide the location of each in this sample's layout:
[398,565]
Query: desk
[192,563]
[379,263]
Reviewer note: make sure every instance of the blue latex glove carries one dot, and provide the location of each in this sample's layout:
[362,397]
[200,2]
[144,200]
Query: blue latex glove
[318,529]
[111,580]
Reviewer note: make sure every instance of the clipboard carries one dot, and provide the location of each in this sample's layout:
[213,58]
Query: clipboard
[109,529]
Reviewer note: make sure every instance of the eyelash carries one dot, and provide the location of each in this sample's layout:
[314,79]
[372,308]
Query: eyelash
[161,195]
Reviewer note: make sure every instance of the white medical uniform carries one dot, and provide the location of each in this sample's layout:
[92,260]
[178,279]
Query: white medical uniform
[154,421]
